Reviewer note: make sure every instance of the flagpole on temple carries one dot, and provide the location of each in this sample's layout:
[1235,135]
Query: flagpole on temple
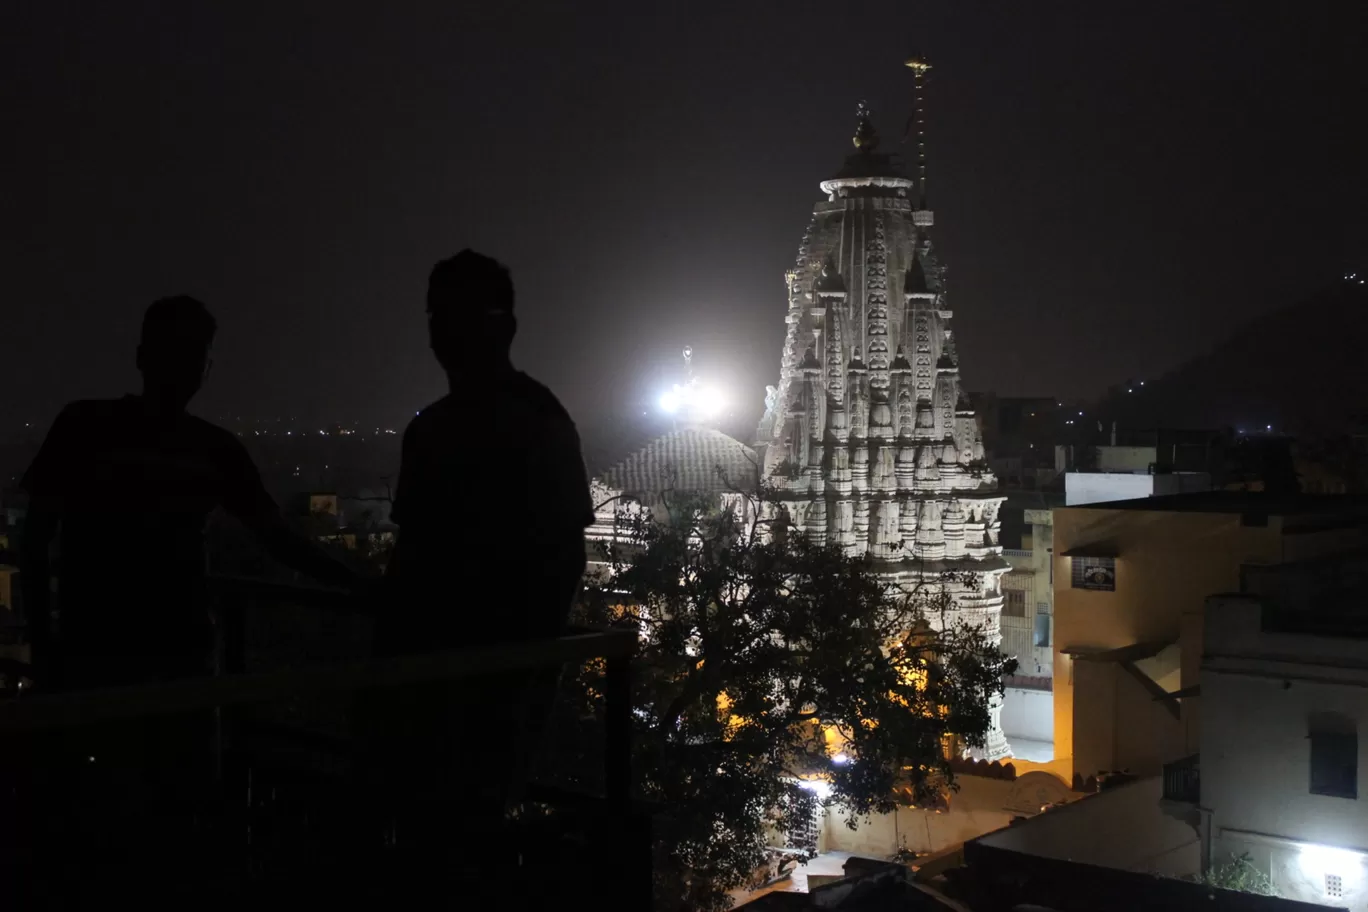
[919,67]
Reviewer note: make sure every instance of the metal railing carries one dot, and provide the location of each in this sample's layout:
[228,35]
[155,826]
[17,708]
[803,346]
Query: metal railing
[33,714]
[1183,780]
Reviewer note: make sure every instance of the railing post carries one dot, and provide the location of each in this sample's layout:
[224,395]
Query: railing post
[632,887]
[618,731]
[234,778]
[233,617]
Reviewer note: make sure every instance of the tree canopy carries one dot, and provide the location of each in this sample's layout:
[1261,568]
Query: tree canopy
[771,671]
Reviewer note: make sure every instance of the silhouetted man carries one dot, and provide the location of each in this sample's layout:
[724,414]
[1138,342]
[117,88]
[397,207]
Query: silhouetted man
[492,505]
[125,487]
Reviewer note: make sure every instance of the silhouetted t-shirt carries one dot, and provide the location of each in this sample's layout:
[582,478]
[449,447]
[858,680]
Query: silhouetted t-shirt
[492,505]
[133,492]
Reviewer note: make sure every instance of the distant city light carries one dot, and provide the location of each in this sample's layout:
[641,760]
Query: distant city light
[1269,427]
[1142,382]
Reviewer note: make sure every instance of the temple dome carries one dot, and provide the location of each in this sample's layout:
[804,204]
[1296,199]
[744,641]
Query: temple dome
[694,460]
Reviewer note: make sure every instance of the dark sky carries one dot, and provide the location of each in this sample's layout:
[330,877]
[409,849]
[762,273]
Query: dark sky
[1116,185]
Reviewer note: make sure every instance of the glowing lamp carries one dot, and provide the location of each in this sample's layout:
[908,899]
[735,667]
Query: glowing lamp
[693,400]
[1331,865]
[819,788]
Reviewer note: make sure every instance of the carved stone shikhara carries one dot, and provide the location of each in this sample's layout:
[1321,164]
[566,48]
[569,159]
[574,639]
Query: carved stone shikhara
[882,455]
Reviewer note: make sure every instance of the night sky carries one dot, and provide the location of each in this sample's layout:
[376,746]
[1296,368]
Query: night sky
[1116,185]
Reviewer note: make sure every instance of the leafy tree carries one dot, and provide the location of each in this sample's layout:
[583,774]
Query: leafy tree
[762,657]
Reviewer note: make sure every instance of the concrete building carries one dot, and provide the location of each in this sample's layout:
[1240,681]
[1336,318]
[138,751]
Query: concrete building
[1131,579]
[1120,849]
[1082,488]
[1128,472]
[1284,686]
[868,435]
[1028,598]
[1028,636]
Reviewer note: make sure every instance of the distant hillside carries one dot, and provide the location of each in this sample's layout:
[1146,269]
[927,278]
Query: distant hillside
[1300,369]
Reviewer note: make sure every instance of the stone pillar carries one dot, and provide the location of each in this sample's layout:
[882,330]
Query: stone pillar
[996,747]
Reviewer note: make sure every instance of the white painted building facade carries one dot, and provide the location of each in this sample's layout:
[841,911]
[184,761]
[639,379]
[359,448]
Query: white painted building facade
[1284,702]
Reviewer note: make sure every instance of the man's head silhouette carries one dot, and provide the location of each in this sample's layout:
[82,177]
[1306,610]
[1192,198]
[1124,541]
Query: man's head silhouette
[173,353]
[470,313]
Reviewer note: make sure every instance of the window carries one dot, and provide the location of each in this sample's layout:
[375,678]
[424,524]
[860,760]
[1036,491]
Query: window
[1334,757]
[1096,573]
[1042,607]
[1015,606]
[1042,630]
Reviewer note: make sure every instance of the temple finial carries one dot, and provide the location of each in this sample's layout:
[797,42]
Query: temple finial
[918,65]
[866,139]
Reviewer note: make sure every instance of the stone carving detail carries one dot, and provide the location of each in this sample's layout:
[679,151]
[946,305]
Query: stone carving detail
[876,304]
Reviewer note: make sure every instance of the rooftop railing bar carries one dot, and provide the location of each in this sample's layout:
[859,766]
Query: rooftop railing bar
[39,711]
[611,813]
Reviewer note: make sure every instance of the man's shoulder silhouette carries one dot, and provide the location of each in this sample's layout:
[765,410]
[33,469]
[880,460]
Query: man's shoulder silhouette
[516,389]
[521,436]
[127,411]
[102,449]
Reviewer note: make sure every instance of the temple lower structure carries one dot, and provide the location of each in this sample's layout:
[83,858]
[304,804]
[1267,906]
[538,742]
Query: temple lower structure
[868,435]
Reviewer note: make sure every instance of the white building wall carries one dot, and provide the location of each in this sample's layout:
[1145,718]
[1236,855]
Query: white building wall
[979,806]
[1103,487]
[1028,713]
[1259,693]
[1122,827]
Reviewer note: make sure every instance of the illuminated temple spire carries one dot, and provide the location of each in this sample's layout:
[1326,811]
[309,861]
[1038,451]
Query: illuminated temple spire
[868,437]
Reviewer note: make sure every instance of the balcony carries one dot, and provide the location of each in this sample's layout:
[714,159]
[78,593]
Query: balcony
[283,815]
[1183,780]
